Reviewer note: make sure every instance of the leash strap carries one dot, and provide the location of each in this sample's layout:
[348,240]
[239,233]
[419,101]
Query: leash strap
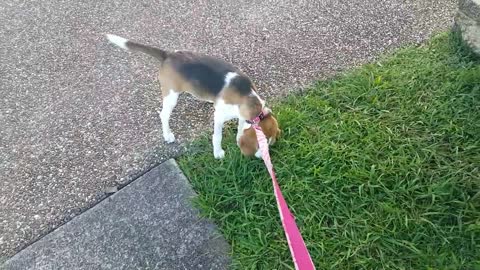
[298,250]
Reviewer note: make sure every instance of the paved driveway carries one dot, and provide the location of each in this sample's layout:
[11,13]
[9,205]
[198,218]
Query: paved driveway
[78,116]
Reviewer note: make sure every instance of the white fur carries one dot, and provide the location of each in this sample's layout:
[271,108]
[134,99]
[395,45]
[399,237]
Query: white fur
[223,112]
[169,103]
[119,41]
[229,77]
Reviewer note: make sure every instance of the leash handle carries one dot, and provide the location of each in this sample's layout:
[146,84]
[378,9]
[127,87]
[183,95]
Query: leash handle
[298,249]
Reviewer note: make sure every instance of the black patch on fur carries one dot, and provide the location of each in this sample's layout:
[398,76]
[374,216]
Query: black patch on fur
[209,73]
[242,84]
[204,76]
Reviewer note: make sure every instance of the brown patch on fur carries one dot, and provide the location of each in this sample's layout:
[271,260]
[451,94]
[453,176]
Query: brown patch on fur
[231,96]
[248,142]
[171,80]
[249,106]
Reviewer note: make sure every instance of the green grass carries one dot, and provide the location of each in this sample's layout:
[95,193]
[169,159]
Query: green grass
[380,166]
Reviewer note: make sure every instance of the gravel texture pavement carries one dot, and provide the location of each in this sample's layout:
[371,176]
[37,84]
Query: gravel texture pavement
[149,224]
[79,116]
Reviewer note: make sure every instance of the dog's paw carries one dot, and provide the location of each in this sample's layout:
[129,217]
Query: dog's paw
[219,154]
[169,137]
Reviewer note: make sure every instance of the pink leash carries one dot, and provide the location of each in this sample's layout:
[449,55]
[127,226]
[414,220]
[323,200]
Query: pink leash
[301,257]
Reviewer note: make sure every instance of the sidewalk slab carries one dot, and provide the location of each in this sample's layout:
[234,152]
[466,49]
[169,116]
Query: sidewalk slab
[149,224]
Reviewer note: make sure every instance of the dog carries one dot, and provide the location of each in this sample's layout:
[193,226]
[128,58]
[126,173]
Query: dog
[210,79]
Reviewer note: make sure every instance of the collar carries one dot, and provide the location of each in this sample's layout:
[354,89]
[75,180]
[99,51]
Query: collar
[256,120]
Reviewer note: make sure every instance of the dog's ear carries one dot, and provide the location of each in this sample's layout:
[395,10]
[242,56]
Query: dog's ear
[248,142]
[270,128]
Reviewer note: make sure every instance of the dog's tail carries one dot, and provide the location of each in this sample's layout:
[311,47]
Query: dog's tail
[129,45]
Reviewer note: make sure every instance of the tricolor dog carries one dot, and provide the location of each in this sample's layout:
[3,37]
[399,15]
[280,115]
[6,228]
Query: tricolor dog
[213,80]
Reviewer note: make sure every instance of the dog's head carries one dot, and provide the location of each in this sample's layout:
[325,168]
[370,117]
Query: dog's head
[248,141]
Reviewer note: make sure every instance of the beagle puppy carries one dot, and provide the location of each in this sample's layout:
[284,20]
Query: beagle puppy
[213,80]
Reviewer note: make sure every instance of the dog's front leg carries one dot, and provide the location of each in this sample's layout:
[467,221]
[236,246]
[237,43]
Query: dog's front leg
[223,112]
[241,127]
[218,152]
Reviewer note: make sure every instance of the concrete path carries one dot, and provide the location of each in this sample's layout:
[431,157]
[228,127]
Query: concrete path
[78,116]
[149,224]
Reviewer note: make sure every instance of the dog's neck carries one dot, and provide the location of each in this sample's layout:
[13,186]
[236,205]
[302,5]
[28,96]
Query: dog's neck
[257,119]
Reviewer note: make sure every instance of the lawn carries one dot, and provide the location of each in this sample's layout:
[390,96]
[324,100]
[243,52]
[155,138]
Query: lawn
[380,165]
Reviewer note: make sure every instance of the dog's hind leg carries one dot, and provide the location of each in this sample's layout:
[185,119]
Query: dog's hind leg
[169,101]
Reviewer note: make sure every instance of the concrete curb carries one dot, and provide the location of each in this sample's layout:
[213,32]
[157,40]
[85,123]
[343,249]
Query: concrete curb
[149,224]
